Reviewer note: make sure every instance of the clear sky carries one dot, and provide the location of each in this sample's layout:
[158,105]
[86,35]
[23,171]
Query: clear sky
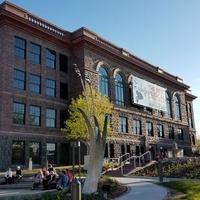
[164,33]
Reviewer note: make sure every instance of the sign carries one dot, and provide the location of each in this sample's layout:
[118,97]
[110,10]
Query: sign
[148,94]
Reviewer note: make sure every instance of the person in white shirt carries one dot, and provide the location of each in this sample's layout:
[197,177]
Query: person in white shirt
[8,176]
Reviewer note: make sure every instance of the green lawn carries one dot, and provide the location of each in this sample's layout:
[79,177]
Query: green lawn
[190,189]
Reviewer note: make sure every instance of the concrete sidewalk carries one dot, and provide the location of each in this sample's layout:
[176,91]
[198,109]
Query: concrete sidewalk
[142,189]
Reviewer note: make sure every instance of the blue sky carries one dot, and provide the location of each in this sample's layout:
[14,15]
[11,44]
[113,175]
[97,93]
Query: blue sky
[164,33]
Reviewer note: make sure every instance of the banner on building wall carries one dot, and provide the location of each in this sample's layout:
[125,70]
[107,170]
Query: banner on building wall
[148,94]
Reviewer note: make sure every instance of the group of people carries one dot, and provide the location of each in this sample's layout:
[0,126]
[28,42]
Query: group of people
[52,179]
[10,178]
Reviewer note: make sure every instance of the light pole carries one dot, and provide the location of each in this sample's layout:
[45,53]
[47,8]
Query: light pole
[160,166]
[76,185]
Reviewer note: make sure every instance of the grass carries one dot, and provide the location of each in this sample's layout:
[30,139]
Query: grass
[188,170]
[187,190]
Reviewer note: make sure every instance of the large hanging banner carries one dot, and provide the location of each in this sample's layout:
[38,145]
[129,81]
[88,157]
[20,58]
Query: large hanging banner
[148,94]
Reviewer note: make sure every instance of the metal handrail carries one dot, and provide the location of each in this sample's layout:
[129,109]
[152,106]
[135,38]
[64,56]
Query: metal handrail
[122,163]
[119,160]
[134,158]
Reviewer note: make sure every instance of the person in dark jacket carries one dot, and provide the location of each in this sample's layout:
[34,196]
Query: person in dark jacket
[62,180]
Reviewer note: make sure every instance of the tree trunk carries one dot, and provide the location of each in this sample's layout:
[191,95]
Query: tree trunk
[95,167]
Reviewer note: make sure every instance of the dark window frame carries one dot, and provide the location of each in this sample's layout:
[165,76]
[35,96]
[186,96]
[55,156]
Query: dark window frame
[35,53]
[50,87]
[123,125]
[50,58]
[19,113]
[137,129]
[51,118]
[35,115]
[119,89]
[19,79]
[19,47]
[35,83]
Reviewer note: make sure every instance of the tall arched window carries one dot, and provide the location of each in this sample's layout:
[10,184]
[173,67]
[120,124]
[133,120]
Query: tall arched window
[103,81]
[177,107]
[168,105]
[119,90]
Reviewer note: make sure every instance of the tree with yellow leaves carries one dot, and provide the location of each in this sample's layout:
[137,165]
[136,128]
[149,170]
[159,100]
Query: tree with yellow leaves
[89,119]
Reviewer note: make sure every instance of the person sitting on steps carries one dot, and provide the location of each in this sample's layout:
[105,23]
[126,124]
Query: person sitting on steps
[18,174]
[38,180]
[8,176]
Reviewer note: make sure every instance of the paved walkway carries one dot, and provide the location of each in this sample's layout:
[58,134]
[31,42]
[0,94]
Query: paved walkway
[142,189]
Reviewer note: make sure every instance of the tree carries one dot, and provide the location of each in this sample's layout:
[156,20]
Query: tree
[90,120]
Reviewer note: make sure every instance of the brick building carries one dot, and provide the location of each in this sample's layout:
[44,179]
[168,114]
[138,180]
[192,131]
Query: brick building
[37,81]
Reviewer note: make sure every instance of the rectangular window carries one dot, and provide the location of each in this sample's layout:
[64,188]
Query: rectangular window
[18,113]
[137,127]
[35,53]
[18,152]
[20,47]
[51,153]
[19,79]
[35,116]
[50,58]
[123,125]
[51,118]
[149,128]
[35,83]
[180,134]
[63,118]
[158,112]
[63,91]
[35,152]
[63,60]
[160,130]
[171,132]
[50,87]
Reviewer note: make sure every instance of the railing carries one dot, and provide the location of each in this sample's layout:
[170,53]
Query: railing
[135,158]
[119,160]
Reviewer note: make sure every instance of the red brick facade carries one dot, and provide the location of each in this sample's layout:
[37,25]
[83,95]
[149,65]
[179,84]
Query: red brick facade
[89,52]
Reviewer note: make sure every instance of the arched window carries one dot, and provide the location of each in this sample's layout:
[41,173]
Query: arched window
[103,81]
[168,105]
[119,90]
[177,108]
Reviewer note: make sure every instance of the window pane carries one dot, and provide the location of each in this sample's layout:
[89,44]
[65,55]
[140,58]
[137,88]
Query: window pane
[180,134]
[137,127]
[176,107]
[123,125]
[160,130]
[35,152]
[18,152]
[35,53]
[35,83]
[20,47]
[119,90]
[63,91]
[103,81]
[51,153]
[149,128]
[168,105]
[171,132]
[18,113]
[19,79]
[50,87]
[63,63]
[51,118]
[35,113]
[50,58]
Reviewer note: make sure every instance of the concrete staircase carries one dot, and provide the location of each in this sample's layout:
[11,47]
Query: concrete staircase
[25,183]
[127,169]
